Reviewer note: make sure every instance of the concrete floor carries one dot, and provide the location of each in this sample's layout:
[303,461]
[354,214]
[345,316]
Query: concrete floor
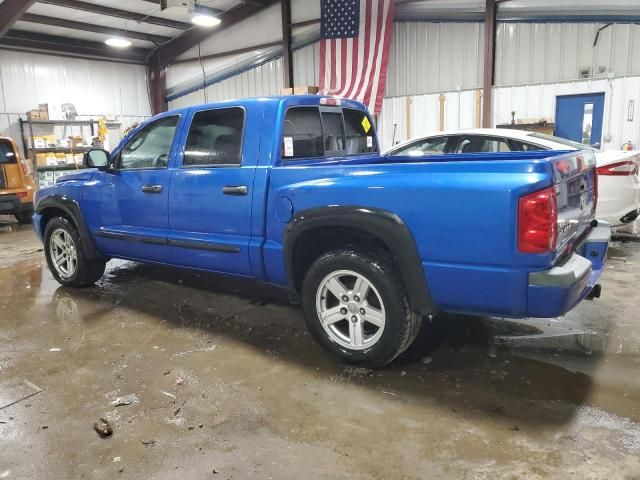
[226,383]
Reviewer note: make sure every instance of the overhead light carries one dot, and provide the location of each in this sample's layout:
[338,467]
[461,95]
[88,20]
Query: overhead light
[117,42]
[205,20]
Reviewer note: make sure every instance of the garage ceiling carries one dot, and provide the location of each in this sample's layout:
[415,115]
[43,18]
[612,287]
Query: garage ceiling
[80,27]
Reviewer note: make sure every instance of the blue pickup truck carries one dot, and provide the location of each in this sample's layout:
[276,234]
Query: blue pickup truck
[294,192]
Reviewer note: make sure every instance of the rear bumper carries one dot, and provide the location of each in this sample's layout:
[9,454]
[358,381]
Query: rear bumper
[11,204]
[554,292]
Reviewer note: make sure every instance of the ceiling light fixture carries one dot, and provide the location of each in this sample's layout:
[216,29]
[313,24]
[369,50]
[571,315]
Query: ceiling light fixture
[206,20]
[118,42]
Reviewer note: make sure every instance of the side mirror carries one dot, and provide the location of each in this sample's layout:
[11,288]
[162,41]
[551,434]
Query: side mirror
[96,158]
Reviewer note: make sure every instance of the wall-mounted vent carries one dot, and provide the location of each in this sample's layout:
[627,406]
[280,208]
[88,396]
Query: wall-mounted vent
[585,72]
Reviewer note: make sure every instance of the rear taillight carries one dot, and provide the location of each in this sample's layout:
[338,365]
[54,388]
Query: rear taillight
[628,167]
[538,222]
[21,194]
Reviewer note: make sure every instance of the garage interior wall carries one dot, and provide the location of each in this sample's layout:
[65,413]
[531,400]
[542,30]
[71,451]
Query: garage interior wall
[534,63]
[95,88]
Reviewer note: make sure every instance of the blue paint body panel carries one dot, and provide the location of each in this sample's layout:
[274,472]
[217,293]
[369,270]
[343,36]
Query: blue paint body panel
[460,209]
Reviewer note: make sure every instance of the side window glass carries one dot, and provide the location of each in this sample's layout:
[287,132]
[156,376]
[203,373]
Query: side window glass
[7,155]
[333,134]
[530,147]
[302,133]
[430,146]
[150,147]
[481,144]
[360,136]
[215,138]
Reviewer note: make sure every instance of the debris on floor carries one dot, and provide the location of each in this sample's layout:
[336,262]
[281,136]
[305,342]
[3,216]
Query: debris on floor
[130,399]
[103,428]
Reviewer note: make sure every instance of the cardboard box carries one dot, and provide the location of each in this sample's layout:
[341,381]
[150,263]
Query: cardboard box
[41,159]
[308,90]
[37,115]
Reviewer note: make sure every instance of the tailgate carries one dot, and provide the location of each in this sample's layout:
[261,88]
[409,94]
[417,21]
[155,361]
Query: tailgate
[575,181]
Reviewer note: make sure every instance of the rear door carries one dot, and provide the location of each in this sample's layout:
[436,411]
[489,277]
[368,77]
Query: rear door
[212,189]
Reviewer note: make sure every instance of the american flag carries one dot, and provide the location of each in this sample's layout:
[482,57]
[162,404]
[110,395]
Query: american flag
[355,37]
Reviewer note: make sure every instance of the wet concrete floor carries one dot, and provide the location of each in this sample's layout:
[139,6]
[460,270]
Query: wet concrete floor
[219,379]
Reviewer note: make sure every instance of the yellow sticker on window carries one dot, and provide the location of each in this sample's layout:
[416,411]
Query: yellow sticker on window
[366,124]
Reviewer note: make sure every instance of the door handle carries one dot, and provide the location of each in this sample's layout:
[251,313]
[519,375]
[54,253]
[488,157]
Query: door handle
[151,188]
[235,190]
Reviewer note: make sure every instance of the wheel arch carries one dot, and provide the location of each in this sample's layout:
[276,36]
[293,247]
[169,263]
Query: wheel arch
[307,236]
[58,205]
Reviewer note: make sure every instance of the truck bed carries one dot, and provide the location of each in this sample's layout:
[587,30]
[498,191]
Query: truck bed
[462,210]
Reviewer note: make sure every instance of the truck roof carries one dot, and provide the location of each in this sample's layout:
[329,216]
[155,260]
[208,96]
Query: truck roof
[280,98]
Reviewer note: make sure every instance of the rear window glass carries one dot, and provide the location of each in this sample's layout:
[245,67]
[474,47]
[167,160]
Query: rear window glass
[302,133]
[7,155]
[215,138]
[333,134]
[359,132]
[562,141]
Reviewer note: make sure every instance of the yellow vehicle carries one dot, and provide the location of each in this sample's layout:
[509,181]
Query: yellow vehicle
[16,185]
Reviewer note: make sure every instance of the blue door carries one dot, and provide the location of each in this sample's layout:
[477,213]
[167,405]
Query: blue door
[212,187]
[128,204]
[579,118]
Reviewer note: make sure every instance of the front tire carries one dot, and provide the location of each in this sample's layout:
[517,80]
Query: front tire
[66,258]
[356,307]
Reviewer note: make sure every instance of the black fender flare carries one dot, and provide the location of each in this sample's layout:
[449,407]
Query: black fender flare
[386,226]
[71,207]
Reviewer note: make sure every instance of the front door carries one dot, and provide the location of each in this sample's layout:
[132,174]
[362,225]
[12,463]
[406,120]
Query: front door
[579,118]
[212,189]
[130,201]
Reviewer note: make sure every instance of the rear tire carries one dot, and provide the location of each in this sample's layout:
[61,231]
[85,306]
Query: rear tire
[24,218]
[361,297]
[65,256]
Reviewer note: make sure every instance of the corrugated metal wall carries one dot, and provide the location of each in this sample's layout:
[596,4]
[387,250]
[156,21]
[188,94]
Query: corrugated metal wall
[551,52]
[306,64]
[434,57]
[419,115]
[429,57]
[263,80]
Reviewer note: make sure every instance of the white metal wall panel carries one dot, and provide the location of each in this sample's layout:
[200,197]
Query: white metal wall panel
[434,57]
[306,61]
[528,101]
[94,87]
[257,82]
[551,52]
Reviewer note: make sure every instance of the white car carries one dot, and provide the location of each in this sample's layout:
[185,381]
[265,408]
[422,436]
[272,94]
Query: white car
[618,172]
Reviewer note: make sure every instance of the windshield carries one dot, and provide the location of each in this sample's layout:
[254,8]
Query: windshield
[563,141]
